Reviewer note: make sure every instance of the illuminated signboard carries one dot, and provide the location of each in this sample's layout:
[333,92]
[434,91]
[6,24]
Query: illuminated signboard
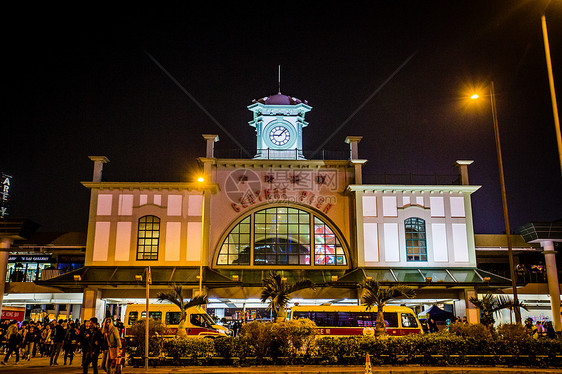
[29,258]
[5,183]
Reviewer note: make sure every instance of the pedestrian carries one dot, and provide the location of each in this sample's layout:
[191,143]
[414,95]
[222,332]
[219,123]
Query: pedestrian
[13,337]
[540,329]
[550,332]
[432,325]
[59,332]
[112,344]
[70,343]
[46,340]
[92,341]
[29,342]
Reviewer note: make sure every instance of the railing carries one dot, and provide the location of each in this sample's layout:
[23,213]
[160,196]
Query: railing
[290,154]
[32,275]
[525,276]
[411,178]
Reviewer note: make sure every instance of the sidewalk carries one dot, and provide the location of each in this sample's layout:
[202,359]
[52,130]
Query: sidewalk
[41,366]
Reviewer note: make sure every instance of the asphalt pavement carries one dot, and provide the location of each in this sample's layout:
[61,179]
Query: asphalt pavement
[41,365]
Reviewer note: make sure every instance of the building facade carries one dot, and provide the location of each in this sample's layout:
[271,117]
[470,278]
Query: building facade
[283,210]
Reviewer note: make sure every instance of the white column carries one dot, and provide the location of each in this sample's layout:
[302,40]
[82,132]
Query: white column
[5,245]
[553,285]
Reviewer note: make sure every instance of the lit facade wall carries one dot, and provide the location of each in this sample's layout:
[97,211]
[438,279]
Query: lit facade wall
[117,235]
[444,211]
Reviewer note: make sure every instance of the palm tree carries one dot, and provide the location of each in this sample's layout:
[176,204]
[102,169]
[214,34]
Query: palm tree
[175,296]
[491,304]
[276,288]
[377,295]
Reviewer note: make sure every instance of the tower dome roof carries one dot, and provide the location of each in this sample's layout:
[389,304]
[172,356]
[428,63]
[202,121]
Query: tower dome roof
[279,99]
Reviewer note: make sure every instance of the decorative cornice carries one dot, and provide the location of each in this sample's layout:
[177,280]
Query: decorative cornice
[189,186]
[412,188]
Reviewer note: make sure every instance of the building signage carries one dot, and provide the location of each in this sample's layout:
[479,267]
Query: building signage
[31,258]
[245,187]
[5,183]
[16,315]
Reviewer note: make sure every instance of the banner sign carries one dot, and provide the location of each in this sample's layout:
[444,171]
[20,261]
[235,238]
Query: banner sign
[36,258]
[5,183]
[13,314]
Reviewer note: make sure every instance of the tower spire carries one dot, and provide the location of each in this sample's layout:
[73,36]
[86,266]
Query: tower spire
[279,80]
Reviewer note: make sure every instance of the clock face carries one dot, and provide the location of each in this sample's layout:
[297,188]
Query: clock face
[279,135]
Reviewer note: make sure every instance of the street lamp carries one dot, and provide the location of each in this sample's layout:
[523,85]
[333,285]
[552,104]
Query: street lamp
[552,91]
[504,201]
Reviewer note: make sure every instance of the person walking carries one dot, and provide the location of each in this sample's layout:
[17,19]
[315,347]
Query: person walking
[46,340]
[13,338]
[70,343]
[92,341]
[59,333]
[29,342]
[112,344]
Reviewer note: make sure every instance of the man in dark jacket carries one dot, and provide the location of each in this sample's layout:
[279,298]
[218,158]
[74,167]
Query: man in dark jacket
[58,337]
[91,339]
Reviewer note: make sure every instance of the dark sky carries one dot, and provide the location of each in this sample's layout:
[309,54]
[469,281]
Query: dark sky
[90,81]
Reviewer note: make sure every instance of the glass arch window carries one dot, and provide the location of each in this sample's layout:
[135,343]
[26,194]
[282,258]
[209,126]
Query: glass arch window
[416,247]
[281,236]
[148,238]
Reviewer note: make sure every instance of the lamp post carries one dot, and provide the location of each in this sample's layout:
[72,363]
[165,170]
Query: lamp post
[148,282]
[516,309]
[552,92]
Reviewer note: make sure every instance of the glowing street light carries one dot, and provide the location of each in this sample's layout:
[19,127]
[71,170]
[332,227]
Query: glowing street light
[200,179]
[504,201]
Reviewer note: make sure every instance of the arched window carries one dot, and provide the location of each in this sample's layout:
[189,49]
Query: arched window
[416,248]
[281,236]
[148,238]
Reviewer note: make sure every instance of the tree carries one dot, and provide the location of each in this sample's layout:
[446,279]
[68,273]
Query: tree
[175,296]
[377,295]
[491,304]
[279,292]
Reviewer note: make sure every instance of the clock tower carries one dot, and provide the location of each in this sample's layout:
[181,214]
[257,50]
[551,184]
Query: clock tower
[279,120]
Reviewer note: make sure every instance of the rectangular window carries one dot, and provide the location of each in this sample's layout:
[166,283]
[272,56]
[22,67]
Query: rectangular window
[148,238]
[414,229]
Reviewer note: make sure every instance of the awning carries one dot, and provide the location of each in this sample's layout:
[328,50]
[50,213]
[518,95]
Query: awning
[447,277]
[222,278]
[127,276]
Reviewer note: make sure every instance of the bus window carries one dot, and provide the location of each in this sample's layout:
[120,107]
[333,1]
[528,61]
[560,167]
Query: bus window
[133,316]
[409,320]
[156,315]
[198,320]
[346,319]
[173,318]
[390,319]
[328,319]
[297,315]
[366,319]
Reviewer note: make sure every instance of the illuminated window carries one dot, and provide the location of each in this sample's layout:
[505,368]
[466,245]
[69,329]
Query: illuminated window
[148,238]
[416,249]
[281,236]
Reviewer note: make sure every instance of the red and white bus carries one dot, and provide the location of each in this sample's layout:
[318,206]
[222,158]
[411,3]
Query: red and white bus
[334,320]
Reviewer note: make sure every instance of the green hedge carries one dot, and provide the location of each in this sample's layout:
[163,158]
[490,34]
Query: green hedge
[272,343]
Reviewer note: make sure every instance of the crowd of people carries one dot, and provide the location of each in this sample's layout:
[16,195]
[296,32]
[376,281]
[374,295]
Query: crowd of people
[540,329]
[63,339]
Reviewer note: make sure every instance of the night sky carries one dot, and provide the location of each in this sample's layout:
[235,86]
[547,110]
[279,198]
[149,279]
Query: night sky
[141,84]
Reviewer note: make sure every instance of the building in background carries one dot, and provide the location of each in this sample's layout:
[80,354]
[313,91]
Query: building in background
[306,215]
